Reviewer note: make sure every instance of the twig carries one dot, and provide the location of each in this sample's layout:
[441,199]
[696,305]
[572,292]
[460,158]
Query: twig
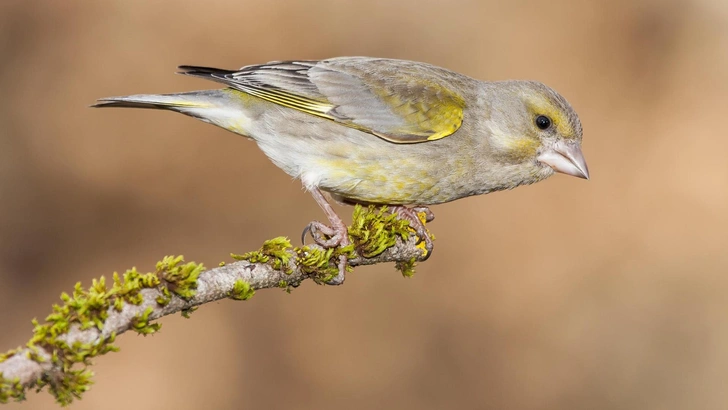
[87,323]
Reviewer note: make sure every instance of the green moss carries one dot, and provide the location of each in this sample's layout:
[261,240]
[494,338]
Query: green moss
[71,386]
[128,286]
[140,323]
[372,232]
[407,268]
[241,290]
[186,313]
[285,286]
[89,308]
[321,264]
[6,355]
[181,277]
[11,390]
[275,252]
[164,298]
[314,260]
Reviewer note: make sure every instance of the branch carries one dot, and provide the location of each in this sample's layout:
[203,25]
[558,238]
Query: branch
[88,321]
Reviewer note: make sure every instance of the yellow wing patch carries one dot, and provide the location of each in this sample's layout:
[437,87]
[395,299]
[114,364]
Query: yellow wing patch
[434,114]
[285,99]
[428,122]
[446,121]
[424,122]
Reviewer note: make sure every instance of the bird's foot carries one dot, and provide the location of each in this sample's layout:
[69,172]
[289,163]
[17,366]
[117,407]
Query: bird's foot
[329,237]
[429,216]
[326,236]
[412,216]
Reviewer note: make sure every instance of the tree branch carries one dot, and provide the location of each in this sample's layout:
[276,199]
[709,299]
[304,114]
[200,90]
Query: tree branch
[86,325]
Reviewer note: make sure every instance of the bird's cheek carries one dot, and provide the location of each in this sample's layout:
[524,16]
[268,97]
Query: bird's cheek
[521,149]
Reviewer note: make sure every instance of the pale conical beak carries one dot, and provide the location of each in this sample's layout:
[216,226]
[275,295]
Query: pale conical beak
[567,159]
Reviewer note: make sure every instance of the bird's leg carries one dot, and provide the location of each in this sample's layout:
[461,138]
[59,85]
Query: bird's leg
[329,236]
[410,215]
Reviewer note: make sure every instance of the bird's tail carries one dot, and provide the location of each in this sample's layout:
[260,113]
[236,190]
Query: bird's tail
[217,107]
[174,102]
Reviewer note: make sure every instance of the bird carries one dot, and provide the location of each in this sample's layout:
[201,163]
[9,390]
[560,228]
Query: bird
[388,132]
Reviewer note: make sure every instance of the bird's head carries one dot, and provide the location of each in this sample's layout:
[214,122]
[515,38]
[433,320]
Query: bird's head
[531,124]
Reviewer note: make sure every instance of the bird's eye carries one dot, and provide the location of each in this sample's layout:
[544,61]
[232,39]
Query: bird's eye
[543,122]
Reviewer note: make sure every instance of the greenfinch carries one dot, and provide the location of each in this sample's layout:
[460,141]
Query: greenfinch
[384,131]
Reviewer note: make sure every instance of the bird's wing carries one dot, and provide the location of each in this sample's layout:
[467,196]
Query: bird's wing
[399,101]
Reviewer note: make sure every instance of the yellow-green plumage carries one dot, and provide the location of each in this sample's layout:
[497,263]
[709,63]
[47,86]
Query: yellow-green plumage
[387,131]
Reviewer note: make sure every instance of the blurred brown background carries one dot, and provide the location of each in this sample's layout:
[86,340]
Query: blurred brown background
[607,294]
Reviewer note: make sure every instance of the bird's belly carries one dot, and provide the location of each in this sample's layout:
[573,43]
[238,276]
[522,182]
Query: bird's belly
[358,166]
[398,182]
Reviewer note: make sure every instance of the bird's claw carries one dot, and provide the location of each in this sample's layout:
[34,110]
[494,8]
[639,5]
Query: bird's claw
[411,215]
[337,235]
[326,236]
[330,237]
[429,215]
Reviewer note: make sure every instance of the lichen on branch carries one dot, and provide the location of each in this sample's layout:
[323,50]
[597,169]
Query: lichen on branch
[87,322]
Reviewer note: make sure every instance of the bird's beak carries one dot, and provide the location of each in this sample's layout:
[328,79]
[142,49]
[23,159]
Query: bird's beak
[567,159]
